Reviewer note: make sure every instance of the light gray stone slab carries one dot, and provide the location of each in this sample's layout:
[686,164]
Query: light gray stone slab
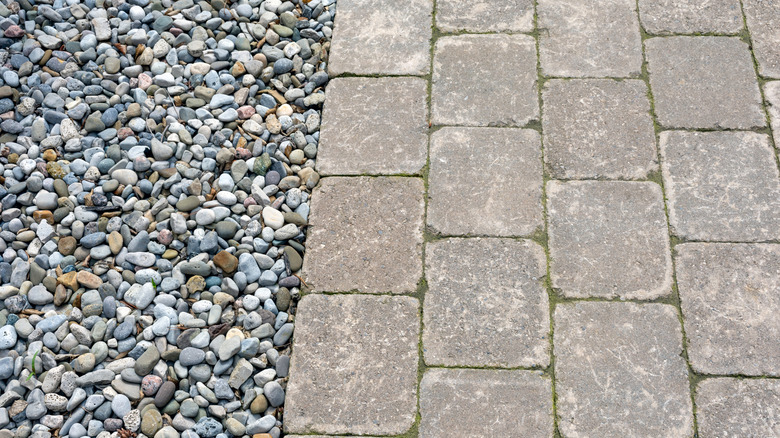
[484,80]
[374,126]
[727,407]
[763,22]
[365,234]
[354,365]
[691,16]
[721,186]
[485,181]
[485,403]
[730,299]
[704,82]
[772,95]
[598,128]
[486,304]
[619,371]
[485,15]
[381,37]
[608,239]
[589,39]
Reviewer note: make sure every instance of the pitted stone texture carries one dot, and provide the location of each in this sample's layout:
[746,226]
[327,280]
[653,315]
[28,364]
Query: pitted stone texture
[690,16]
[354,367]
[704,82]
[589,39]
[485,15]
[772,94]
[763,21]
[365,234]
[485,403]
[484,80]
[381,37]
[721,186]
[485,181]
[727,407]
[619,371]
[730,299]
[486,304]
[598,128]
[608,239]
[374,126]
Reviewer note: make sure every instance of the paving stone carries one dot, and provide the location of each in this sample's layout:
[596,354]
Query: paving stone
[498,185]
[704,82]
[365,234]
[772,94]
[730,299]
[727,407]
[500,88]
[619,371]
[363,131]
[354,370]
[485,15]
[598,128]
[722,186]
[485,403]
[589,39]
[690,16]
[486,304]
[381,37]
[608,239]
[763,21]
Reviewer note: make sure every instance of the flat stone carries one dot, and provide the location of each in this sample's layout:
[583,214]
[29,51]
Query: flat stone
[485,15]
[500,88]
[486,304]
[344,346]
[704,82]
[589,39]
[772,94]
[598,128]
[737,407]
[762,22]
[373,246]
[364,131]
[722,186]
[690,16]
[622,361]
[608,239]
[730,299]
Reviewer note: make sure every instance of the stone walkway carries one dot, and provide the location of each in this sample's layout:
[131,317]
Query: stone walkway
[545,219]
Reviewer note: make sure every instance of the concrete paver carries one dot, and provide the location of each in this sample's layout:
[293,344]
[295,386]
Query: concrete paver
[772,94]
[763,21]
[511,15]
[728,407]
[691,16]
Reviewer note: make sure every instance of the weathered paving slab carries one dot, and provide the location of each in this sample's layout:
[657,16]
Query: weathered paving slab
[365,234]
[589,39]
[500,88]
[381,37]
[704,82]
[598,128]
[485,403]
[728,407]
[691,16]
[763,22]
[495,174]
[374,126]
[730,298]
[608,239]
[354,370]
[485,15]
[486,304]
[721,186]
[619,371]
[772,94]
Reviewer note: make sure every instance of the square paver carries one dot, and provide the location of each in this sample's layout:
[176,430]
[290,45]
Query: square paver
[365,234]
[598,128]
[486,304]
[728,407]
[730,299]
[485,403]
[722,186]
[354,365]
[763,21]
[589,39]
[484,80]
[485,15]
[772,94]
[691,16]
[374,126]
[495,174]
[619,371]
[704,82]
[608,239]
[381,37]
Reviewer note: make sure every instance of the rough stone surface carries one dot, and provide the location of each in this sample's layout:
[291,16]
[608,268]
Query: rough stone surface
[355,365]
[498,185]
[763,21]
[621,361]
[727,407]
[730,299]
[690,16]
[772,94]
[485,15]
